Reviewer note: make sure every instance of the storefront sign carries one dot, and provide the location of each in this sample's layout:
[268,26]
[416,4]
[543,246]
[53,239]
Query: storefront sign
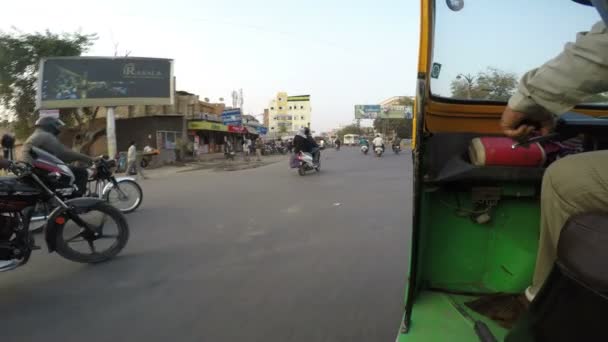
[232,117]
[207,126]
[236,129]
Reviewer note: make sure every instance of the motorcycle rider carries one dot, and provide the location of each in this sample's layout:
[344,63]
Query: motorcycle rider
[45,138]
[396,143]
[338,143]
[577,183]
[378,142]
[304,142]
[363,142]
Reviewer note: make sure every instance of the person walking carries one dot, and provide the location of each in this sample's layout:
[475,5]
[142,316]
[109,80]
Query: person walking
[258,148]
[8,143]
[132,167]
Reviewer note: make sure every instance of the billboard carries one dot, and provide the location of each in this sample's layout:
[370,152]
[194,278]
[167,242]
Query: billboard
[367,111]
[396,112]
[232,117]
[66,82]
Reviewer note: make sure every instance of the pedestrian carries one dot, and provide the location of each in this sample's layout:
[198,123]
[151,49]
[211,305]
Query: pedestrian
[246,148]
[8,143]
[258,149]
[132,167]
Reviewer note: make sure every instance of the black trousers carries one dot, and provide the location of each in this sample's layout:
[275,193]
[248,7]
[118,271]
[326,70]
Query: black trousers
[82,178]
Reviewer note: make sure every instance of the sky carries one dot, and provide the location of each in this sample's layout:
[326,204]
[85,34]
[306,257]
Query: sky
[340,52]
[513,36]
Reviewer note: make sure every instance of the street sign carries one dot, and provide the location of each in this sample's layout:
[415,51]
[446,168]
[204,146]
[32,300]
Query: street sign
[232,117]
[367,111]
[67,82]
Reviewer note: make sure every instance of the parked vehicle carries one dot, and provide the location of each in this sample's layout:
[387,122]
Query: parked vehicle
[79,222]
[364,149]
[306,163]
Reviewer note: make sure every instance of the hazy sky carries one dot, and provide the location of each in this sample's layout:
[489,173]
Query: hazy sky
[340,52]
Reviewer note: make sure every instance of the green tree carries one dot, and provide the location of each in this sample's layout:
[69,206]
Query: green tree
[401,127]
[491,84]
[20,54]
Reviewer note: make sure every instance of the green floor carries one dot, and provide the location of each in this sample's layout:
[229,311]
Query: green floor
[435,318]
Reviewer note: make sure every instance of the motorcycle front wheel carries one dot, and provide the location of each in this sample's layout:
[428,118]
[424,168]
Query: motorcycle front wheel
[301,170]
[107,237]
[127,198]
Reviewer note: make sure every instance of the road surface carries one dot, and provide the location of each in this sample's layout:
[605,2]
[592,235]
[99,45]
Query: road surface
[253,255]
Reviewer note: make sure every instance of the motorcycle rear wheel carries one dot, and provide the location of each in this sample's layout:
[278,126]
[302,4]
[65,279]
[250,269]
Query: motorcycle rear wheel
[64,246]
[301,170]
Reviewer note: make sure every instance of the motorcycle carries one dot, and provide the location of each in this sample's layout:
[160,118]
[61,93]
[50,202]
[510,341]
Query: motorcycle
[46,180]
[378,150]
[364,149]
[306,163]
[396,149]
[123,193]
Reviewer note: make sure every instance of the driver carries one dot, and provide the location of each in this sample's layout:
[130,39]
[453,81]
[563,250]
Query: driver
[577,183]
[378,141]
[45,138]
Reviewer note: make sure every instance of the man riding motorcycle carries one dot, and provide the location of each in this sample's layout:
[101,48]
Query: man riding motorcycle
[378,142]
[45,138]
[577,183]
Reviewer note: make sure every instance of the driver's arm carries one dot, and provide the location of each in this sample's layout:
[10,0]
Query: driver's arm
[55,147]
[560,84]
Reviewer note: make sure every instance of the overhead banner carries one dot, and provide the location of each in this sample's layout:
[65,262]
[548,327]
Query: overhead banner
[367,111]
[66,82]
[206,126]
[232,117]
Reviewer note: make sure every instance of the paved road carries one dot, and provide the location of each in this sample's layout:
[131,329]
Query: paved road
[253,255]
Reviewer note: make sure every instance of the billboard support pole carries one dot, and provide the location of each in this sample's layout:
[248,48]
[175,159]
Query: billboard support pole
[111,131]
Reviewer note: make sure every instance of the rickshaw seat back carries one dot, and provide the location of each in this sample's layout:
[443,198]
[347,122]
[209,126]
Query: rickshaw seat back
[583,250]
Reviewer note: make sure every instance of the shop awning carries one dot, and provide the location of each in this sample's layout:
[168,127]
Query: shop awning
[206,126]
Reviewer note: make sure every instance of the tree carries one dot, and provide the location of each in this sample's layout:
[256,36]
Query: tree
[282,129]
[491,84]
[401,127]
[20,54]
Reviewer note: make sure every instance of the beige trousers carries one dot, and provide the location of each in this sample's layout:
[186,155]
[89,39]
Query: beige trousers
[572,185]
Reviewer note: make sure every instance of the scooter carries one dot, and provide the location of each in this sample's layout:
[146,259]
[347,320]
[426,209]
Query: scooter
[378,150]
[306,163]
[396,149]
[364,149]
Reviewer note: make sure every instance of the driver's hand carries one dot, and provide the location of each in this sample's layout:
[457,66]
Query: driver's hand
[513,126]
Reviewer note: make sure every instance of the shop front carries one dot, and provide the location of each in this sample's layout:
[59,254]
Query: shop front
[206,136]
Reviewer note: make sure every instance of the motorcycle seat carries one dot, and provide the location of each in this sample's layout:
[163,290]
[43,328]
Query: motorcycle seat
[582,251]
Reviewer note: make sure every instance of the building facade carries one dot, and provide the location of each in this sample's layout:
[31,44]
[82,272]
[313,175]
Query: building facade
[287,114]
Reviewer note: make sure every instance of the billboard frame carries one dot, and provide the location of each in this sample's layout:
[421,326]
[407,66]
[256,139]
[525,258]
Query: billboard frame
[108,102]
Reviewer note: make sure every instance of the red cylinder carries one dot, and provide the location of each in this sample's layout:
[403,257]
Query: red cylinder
[498,151]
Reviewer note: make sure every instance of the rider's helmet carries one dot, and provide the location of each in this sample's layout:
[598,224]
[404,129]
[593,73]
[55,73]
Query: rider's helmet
[600,5]
[50,124]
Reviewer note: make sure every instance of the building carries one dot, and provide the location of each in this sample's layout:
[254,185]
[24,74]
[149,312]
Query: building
[287,114]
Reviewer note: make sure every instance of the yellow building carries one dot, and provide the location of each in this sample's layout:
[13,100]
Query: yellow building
[287,114]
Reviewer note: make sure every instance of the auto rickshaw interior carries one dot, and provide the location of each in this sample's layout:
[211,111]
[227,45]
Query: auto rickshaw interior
[478,225]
